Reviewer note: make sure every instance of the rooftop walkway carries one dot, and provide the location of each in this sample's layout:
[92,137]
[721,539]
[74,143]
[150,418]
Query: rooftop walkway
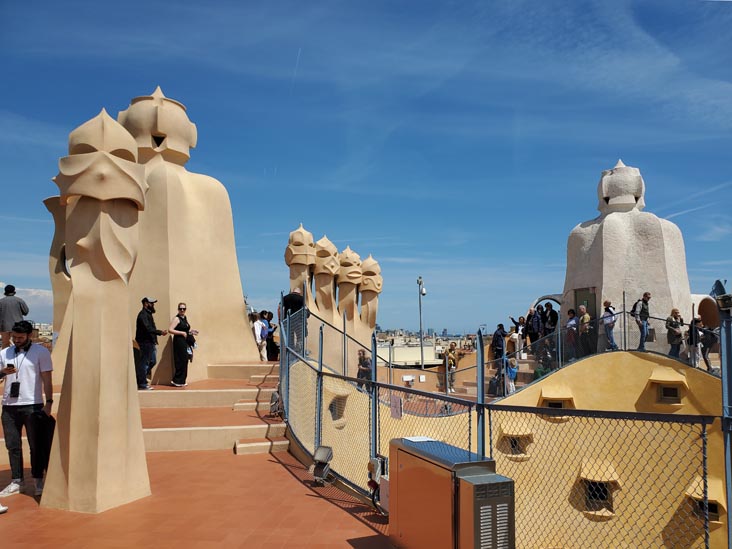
[206,499]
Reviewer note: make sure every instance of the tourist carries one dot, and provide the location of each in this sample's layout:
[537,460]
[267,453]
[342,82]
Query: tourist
[146,335]
[552,319]
[273,351]
[641,312]
[542,316]
[292,303]
[608,322]
[534,328]
[183,343]
[585,342]
[520,332]
[451,360]
[264,318]
[693,340]
[571,337]
[364,369]
[260,336]
[511,375]
[498,342]
[674,334]
[12,310]
[27,368]
[708,340]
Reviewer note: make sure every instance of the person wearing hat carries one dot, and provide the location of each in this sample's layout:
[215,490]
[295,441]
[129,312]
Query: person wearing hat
[26,370]
[146,335]
[12,310]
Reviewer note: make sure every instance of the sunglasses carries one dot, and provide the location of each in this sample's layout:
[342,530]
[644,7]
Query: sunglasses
[181,308]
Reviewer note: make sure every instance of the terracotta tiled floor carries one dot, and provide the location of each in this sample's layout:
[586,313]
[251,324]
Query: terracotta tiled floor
[206,499]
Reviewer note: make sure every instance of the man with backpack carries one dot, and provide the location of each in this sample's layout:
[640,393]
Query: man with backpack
[641,313]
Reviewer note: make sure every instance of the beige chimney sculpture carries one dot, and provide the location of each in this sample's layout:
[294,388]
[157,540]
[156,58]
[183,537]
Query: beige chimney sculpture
[626,249]
[321,270]
[98,454]
[188,252]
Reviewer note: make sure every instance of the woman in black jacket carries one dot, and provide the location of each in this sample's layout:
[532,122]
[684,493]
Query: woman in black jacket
[182,345]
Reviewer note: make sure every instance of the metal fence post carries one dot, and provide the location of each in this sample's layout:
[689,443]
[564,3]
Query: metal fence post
[345,347]
[625,324]
[374,400]
[304,313]
[391,357]
[560,351]
[694,337]
[725,364]
[283,361]
[285,395]
[480,408]
[319,391]
[705,484]
[502,370]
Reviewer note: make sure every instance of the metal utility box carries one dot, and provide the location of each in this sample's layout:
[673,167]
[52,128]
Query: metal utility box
[443,496]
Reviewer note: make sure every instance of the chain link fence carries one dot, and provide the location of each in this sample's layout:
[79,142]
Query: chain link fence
[603,479]
[582,478]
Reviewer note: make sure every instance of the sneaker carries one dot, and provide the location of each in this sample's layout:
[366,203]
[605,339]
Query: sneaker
[3,509]
[145,388]
[14,487]
[39,487]
[174,384]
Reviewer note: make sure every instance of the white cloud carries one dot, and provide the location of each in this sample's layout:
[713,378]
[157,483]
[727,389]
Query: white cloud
[717,230]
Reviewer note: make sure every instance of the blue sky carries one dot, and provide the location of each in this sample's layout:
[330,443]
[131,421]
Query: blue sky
[458,141]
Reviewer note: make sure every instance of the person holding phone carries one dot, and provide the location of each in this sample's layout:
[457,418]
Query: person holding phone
[25,369]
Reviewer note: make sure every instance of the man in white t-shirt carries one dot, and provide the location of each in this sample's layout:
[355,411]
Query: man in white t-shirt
[260,329]
[26,371]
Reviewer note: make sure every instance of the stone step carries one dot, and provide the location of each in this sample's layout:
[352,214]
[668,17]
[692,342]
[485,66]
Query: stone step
[252,405]
[200,398]
[241,371]
[261,446]
[268,378]
[207,438]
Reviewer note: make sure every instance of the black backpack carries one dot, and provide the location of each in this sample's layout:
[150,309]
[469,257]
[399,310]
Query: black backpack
[634,310]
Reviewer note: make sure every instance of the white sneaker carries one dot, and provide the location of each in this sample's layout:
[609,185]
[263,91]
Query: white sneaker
[11,489]
[39,486]
[3,509]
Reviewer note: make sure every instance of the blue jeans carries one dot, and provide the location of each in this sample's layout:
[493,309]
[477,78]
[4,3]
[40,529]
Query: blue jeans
[610,337]
[643,325]
[148,358]
[675,350]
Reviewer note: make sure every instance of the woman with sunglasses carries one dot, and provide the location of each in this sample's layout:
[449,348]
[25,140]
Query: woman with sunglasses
[180,329]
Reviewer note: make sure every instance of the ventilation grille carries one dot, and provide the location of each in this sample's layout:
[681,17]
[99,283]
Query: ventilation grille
[486,527]
[494,490]
[501,523]
[502,527]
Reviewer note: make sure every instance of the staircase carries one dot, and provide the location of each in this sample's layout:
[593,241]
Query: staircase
[228,410]
[468,389]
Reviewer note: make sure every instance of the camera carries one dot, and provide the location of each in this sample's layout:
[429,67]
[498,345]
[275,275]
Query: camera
[15,389]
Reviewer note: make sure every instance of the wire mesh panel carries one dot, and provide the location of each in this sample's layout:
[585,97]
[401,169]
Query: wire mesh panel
[346,428]
[410,414]
[301,413]
[589,481]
